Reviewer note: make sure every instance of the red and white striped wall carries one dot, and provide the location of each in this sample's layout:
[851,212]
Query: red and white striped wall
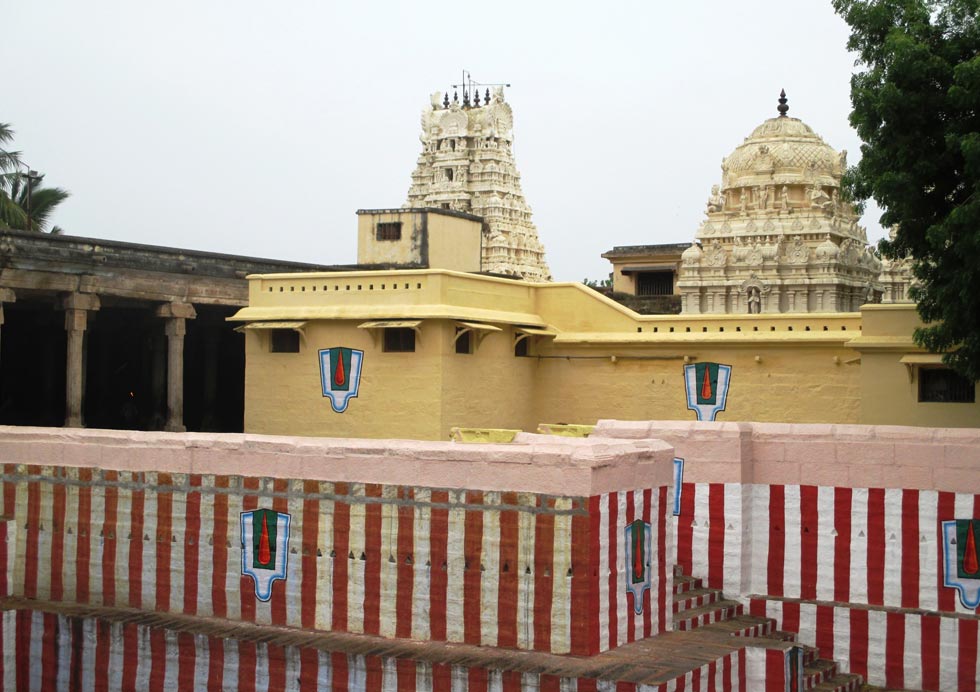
[493,568]
[896,648]
[871,546]
[42,651]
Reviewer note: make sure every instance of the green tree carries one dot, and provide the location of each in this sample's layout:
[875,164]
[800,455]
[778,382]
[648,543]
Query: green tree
[22,204]
[916,106]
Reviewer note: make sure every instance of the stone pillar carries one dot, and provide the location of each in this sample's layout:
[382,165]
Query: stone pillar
[77,307]
[175,316]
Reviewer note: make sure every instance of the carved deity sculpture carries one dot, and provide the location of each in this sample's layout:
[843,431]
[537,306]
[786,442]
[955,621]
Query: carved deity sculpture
[755,301]
[761,193]
[716,202]
[743,200]
[784,198]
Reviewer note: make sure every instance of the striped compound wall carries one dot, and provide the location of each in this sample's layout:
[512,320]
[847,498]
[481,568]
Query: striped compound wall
[507,568]
[857,571]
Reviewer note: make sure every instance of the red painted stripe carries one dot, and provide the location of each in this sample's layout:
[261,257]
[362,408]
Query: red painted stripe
[775,669]
[165,502]
[628,519]
[859,641]
[549,683]
[192,536]
[579,613]
[696,676]
[910,548]
[442,674]
[809,512]
[186,660]
[158,659]
[311,543]
[247,656]
[22,653]
[246,585]
[57,556]
[544,556]
[945,511]
[876,546]
[374,672]
[825,631]
[650,594]
[372,564]
[791,616]
[31,535]
[49,652]
[685,530]
[219,551]
[930,641]
[472,576]
[507,588]
[84,552]
[842,544]
[716,535]
[277,666]
[438,578]
[339,665]
[341,562]
[586,685]
[966,665]
[101,644]
[895,649]
[777,539]
[216,664]
[613,537]
[477,680]
[664,595]
[726,673]
[110,540]
[595,543]
[136,544]
[278,601]
[130,641]
[405,582]
[407,674]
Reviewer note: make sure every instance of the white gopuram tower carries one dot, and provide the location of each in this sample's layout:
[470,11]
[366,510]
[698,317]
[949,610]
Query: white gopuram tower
[778,237]
[467,165]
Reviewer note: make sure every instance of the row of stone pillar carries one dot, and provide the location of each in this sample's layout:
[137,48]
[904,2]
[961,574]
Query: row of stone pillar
[77,307]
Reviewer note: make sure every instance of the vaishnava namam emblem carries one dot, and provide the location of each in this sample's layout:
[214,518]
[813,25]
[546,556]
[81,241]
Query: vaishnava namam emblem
[960,559]
[707,388]
[340,375]
[265,543]
[638,571]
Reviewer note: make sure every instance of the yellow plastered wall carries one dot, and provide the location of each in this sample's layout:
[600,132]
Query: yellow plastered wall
[428,238]
[454,243]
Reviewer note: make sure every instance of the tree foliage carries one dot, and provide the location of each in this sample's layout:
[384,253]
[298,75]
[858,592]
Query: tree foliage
[916,106]
[22,205]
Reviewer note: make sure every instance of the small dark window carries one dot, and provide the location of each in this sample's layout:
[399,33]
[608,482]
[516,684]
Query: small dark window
[449,174]
[521,349]
[942,385]
[464,341]
[284,341]
[655,283]
[399,340]
[389,230]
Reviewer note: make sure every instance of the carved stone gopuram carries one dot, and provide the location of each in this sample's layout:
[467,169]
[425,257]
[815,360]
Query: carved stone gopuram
[778,237]
[467,165]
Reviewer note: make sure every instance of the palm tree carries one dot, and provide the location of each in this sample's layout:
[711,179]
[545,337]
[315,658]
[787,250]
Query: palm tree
[24,203]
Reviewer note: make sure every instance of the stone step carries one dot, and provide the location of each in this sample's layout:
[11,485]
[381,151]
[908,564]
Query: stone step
[695,598]
[706,615]
[842,682]
[745,626]
[683,584]
[817,672]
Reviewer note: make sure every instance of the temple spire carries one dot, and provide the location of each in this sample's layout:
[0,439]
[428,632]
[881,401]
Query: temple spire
[782,108]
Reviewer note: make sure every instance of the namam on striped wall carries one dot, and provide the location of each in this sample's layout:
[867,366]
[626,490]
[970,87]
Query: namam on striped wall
[706,385]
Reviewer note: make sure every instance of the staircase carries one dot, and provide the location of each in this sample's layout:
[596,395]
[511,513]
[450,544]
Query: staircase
[698,606]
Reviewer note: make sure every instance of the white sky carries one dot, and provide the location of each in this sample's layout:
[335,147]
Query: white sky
[258,128]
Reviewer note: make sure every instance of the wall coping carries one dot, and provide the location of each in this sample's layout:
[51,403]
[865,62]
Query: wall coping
[532,463]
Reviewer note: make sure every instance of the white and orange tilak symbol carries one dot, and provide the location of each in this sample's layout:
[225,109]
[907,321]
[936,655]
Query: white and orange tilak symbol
[340,375]
[706,385]
[961,559]
[265,547]
[637,570]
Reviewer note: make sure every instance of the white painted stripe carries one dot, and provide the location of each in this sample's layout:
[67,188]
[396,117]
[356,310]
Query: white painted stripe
[35,669]
[758,528]
[324,563]
[877,627]
[495,681]
[178,544]
[124,538]
[604,570]
[324,673]
[859,546]
[47,519]
[490,582]
[355,567]
[826,542]
[421,587]
[233,567]
[913,651]
[87,645]
[294,575]
[229,671]
[620,602]
[204,541]
[389,674]
[10,650]
[293,668]
[202,660]
[894,526]
[97,544]
[390,559]
[928,550]
[561,583]
[699,533]
[459,681]
[18,557]
[733,539]
[455,559]
[173,657]
[261,665]
[149,543]
[525,576]
[793,551]
[356,672]
[808,624]
[842,638]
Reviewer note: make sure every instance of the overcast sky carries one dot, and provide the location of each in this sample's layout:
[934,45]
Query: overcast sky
[258,128]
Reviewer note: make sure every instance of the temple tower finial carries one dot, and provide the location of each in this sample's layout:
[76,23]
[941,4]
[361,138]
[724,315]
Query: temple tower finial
[782,108]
